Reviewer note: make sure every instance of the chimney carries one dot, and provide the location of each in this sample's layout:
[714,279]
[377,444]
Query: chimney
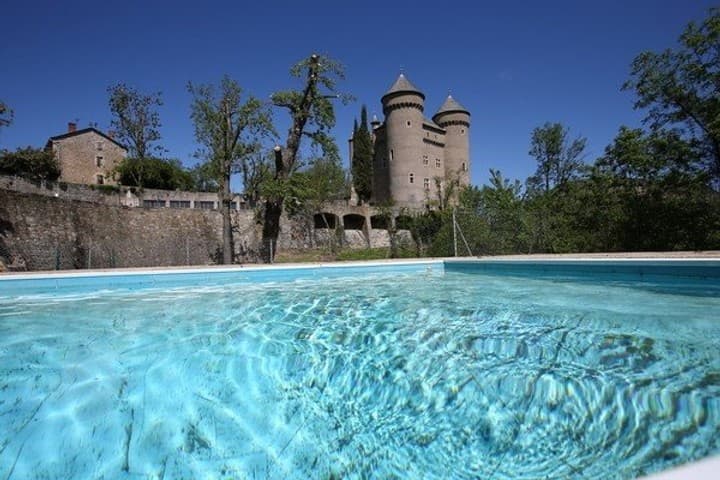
[72,126]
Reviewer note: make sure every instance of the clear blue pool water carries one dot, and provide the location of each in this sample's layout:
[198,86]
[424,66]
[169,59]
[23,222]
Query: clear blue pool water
[455,372]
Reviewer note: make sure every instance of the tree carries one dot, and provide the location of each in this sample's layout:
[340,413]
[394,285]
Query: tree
[558,158]
[312,116]
[663,191]
[30,163]
[203,178]
[6,114]
[362,161]
[311,188]
[136,122]
[680,88]
[155,173]
[230,131]
[255,171]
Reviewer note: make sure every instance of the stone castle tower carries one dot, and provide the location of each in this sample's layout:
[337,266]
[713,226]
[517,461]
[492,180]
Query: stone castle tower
[415,158]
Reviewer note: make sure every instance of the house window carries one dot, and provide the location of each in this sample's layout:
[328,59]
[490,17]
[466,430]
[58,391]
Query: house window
[411,178]
[179,203]
[99,161]
[426,160]
[100,180]
[153,203]
[437,163]
[205,205]
[426,183]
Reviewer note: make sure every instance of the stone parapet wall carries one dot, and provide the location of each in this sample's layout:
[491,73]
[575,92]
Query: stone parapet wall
[50,233]
[65,226]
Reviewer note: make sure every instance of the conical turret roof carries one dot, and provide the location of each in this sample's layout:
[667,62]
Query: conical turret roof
[450,105]
[403,85]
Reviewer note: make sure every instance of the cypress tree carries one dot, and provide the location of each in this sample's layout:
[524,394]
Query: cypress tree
[362,158]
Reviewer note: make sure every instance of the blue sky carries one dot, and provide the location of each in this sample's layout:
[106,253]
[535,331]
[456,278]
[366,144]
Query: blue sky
[513,64]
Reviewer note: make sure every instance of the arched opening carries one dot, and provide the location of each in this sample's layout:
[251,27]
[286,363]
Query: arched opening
[325,220]
[379,221]
[403,222]
[353,221]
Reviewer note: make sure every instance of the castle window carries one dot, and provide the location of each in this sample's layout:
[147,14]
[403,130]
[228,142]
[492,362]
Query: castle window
[464,167]
[384,162]
[99,146]
[411,178]
[100,180]
[392,154]
[437,163]
[426,160]
[426,183]
[462,131]
[409,123]
[99,161]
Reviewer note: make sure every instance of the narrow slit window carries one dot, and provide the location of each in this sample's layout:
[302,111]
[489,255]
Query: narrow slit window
[411,178]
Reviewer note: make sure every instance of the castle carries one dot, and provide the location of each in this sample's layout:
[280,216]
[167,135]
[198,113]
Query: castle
[418,162]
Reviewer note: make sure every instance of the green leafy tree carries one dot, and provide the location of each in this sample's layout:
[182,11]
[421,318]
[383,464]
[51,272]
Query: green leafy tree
[6,114]
[136,121]
[312,116]
[558,158]
[155,173]
[680,88]
[203,178]
[313,187]
[30,163]
[362,161]
[230,130]
[664,192]
[501,206]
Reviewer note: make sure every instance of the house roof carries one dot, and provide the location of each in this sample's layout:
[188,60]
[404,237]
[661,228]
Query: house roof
[403,85]
[84,131]
[451,105]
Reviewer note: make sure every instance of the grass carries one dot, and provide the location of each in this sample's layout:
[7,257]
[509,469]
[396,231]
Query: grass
[324,255]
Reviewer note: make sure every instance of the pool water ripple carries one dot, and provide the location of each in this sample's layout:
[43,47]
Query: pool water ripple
[388,376]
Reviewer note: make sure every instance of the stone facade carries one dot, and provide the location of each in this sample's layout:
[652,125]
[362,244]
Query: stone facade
[415,158]
[86,156]
[86,228]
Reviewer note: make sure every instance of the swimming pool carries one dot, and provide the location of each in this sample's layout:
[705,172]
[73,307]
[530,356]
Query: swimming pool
[415,370]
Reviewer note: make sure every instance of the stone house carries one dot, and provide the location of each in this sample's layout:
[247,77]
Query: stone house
[86,156]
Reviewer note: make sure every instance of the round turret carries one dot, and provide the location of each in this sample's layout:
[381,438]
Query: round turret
[455,119]
[403,106]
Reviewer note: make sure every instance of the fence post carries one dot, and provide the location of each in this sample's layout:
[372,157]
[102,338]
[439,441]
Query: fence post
[454,231]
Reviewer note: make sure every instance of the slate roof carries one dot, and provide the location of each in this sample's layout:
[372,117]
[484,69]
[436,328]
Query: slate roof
[450,105]
[83,131]
[403,85]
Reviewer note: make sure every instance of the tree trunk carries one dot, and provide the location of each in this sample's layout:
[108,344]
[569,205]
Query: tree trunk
[271,229]
[225,198]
